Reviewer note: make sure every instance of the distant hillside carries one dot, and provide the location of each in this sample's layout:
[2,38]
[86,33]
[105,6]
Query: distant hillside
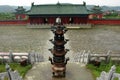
[7,8]
[111,8]
[105,8]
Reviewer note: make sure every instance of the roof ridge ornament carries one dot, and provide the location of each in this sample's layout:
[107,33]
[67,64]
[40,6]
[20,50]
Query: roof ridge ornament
[58,3]
[84,3]
[32,3]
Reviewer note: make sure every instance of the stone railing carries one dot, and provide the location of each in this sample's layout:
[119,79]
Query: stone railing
[3,75]
[35,57]
[42,26]
[82,57]
[17,57]
[87,56]
[111,75]
[10,75]
[78,26]
[69,26]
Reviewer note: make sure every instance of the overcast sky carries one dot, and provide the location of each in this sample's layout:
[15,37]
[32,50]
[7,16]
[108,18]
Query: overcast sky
[88,2]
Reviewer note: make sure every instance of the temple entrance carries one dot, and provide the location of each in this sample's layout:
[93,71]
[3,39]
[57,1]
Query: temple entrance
[45,20]
[71,20]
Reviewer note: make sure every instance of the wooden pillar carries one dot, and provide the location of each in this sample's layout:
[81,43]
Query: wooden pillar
[51,20]
[76,20]
[67,20]
[36,20]
[83,20]
[41,20]
[63,20]
[32,20]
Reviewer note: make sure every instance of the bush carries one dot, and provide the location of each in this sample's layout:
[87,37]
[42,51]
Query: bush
[96,71]
[16,66]
[7,16]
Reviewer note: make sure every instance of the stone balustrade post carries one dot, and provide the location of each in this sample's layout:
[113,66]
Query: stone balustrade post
[108,57]
[11,56]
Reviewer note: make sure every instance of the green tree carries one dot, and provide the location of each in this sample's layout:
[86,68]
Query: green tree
[7,16]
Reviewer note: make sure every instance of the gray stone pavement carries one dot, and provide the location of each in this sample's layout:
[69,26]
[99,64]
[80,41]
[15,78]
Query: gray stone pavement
[42,71]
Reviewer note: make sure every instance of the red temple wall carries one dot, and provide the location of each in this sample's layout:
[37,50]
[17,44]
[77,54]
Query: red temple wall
[14,22]
[104,21]
[80,20]
[37,20]
[20,16]
[51,20]
[98,16]
[65,20]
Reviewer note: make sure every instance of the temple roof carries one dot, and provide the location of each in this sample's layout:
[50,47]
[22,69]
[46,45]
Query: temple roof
[58,9]
[96,10]
[20,10]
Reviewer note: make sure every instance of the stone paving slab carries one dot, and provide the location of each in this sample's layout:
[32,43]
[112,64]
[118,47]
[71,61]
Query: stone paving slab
[42,71]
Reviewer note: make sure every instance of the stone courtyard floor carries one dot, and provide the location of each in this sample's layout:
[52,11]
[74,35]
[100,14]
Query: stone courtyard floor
[98,39]
[42,71]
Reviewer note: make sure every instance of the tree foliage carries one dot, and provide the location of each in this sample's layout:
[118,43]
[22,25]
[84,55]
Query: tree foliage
[7,16]
[112,15]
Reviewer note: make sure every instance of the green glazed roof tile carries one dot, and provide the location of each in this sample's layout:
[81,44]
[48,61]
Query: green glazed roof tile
[58,9]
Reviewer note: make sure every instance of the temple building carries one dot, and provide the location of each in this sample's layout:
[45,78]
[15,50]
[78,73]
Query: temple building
[96,13]
[20,13]
[69,13]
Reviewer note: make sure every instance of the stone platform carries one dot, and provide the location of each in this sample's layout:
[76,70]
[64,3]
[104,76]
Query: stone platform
[42,71]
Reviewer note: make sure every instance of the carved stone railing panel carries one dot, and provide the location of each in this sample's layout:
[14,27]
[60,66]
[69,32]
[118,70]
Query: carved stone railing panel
[110,75]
